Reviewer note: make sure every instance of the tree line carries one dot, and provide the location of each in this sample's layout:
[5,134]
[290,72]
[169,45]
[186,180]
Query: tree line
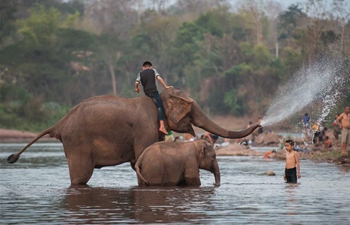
[230,58]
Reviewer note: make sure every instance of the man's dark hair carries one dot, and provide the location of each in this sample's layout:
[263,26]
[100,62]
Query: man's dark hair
[147,63]
[290,141]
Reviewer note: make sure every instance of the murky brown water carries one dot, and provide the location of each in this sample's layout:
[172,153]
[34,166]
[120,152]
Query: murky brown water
[36,190]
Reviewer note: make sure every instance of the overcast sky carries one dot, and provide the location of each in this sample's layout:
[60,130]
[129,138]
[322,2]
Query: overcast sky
[285,3]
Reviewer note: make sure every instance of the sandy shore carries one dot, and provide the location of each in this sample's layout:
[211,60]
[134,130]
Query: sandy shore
[235,149]
[20,136]
[315,154]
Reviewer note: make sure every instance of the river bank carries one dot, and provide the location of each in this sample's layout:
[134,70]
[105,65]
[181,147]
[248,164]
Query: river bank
[9,136]
[315,154]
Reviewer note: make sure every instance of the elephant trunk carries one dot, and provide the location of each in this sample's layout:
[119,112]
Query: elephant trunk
[199,119]
[216,172]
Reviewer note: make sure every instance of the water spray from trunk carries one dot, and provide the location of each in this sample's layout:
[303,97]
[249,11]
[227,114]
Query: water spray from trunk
[319,85]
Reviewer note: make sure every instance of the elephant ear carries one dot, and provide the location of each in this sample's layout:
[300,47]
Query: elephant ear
[203,147]
[177,107]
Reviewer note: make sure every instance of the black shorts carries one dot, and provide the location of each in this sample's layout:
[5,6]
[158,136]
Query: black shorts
[291,175]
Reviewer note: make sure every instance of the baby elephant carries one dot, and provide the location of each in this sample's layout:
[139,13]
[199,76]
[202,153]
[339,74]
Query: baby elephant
[176,163]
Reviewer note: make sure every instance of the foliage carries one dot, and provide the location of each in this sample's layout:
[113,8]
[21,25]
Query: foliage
[231,100]
[7,20]
[54,54]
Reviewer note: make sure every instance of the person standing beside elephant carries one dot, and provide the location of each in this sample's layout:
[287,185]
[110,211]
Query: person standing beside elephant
[147,77]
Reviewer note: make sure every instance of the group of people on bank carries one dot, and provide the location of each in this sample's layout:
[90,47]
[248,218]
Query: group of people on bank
[341,130]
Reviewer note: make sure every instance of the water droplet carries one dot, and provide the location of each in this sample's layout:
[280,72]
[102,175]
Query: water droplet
[318,85]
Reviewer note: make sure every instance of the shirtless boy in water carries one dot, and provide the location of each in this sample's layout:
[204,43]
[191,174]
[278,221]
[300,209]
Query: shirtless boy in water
[344,121]
[292,163]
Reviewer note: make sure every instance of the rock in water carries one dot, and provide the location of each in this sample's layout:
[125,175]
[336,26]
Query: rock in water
[269,173]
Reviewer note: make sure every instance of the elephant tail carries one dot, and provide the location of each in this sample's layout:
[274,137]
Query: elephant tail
[14,157]
[137,168]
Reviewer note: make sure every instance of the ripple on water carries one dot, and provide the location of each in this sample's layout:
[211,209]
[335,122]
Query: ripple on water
[37,191]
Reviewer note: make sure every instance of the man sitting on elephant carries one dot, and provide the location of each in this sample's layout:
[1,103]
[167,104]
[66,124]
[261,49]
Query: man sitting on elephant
[176,163]
[148,78]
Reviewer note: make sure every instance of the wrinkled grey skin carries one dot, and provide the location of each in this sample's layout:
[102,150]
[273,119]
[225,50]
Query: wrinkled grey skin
[109,130]
[176,163]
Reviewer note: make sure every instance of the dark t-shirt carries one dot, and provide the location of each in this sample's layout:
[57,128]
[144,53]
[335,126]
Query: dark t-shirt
[148,80]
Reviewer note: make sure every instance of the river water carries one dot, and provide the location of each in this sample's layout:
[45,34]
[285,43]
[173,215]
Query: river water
[36,190]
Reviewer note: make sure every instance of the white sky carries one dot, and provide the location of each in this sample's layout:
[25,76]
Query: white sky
[285,3]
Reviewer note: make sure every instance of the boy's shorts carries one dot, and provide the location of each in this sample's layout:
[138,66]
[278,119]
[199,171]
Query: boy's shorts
[345,135]
[291,175]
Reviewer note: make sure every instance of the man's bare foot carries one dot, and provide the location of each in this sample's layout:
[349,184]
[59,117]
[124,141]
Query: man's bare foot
[163,130]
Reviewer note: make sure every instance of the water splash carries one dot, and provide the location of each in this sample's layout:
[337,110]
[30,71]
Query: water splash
[318,85]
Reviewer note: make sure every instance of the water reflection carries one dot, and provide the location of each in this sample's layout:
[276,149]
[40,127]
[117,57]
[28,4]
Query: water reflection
[144,205]
[291,204]
[36,190]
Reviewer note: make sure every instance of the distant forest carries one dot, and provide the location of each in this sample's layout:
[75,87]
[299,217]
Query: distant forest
[232,59]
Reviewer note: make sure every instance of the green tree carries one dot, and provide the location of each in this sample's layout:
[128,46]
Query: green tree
[7,22]
[186,43]
[288,21]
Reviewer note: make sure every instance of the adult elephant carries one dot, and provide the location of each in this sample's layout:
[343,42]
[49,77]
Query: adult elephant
[176,163]
[110,130]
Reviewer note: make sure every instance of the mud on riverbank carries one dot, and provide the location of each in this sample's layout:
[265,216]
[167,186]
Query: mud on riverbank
[315,154]
[8,136]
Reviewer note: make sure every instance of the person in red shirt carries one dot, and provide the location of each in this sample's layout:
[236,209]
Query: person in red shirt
[328,143]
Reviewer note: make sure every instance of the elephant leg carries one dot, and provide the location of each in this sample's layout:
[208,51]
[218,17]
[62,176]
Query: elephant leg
[80,167]
[192,177]
[192,181]
[80,172]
